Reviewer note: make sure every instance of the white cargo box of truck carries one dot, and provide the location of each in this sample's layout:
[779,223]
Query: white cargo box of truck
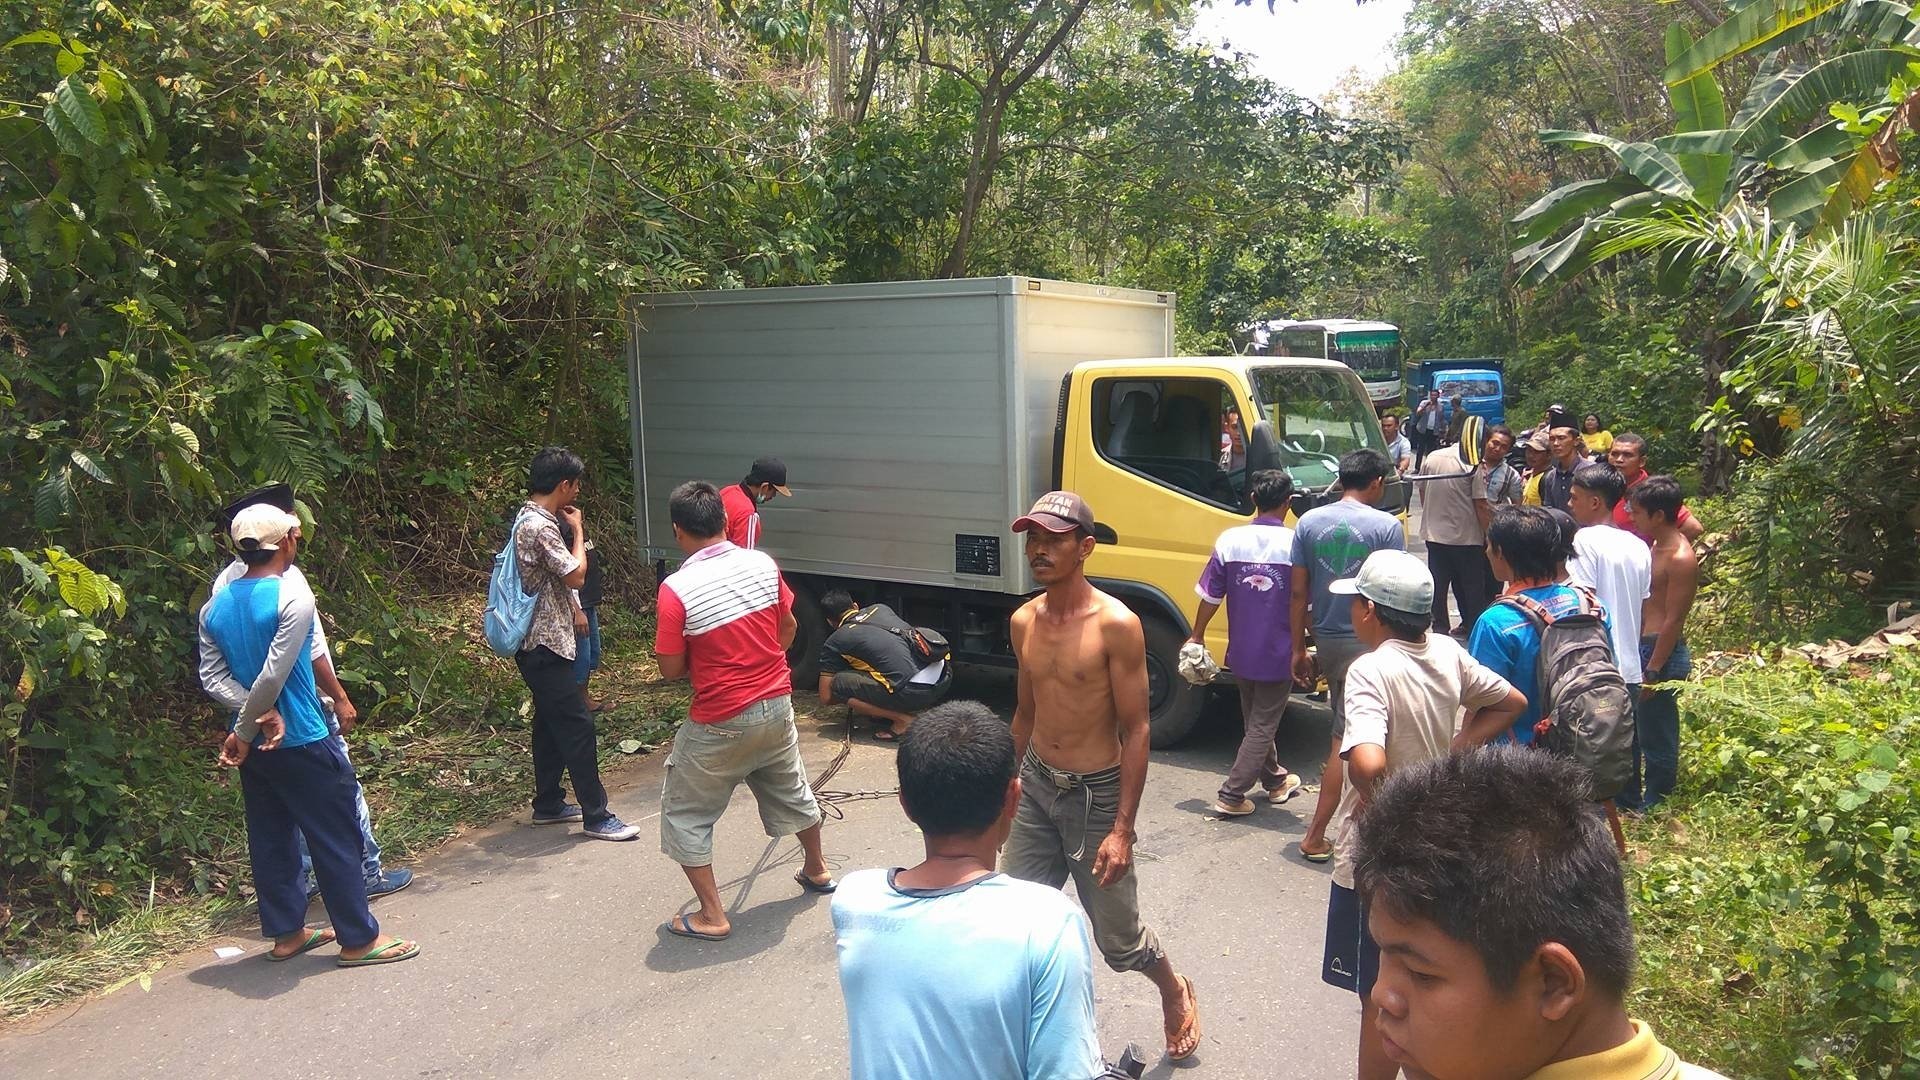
[916,419]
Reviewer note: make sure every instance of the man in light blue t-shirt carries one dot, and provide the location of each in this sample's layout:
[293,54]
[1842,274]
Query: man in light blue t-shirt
[949,968]
[1329,543]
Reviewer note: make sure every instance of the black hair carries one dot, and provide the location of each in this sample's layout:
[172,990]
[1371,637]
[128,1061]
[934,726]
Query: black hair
[1497,429]
[955,764]
[837,602]
[1595,417]
[552,467]
[1569,531]
[1529,539]
[1658,495]
[1503,849]
[1360,468]
[1404,625]
[255,556]
[1270,489]
[1630,438]
[696,508]
[1603,480]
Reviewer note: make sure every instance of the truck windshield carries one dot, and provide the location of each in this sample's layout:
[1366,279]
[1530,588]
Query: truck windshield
[1479,386]
[1316,416]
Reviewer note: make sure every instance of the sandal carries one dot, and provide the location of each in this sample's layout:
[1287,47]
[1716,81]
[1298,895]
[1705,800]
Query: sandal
[385,954]
[682,926]
[885,734]
[315,939]
[822,888]
[1189,1033]
[1314,856]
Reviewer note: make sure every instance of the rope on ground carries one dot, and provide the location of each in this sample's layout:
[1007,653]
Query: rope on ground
[832,801]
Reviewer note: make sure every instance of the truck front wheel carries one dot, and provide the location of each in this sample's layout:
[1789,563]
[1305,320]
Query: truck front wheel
[1173,703]
[803,656]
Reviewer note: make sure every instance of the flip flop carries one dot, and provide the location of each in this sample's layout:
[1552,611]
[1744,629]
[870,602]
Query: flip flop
[314,940]
[885,734]
[682,926]
[1188,1030]
[385,954]
[1314,856]
[826,888]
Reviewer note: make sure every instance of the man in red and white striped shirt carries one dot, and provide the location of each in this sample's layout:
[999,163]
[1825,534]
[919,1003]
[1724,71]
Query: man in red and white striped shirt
[724,620]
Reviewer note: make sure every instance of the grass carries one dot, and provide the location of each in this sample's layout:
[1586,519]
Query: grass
[432,764]
[1741,910]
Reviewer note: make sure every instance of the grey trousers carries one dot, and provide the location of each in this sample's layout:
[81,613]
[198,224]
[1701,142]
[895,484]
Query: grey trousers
[1262,704]
[1056,832]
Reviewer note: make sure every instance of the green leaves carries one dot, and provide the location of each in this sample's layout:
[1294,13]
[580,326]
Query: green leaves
[75,105]
[1698,108]
[1748,29]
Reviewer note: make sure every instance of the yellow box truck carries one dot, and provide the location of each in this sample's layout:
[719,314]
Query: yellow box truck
[918,419]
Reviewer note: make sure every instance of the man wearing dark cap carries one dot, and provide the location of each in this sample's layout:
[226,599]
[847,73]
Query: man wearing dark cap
[767,478]
[340,711]
[1080,730]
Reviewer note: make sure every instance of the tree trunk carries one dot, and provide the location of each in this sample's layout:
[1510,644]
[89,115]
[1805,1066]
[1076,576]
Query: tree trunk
[1716,458]
[980,167]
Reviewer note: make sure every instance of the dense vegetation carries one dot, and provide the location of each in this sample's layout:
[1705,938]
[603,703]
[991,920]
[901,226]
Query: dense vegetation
[379,250]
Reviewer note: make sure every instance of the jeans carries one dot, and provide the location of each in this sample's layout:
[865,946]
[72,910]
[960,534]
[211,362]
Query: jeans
[369,847]
[586,648]
[305,789]
[1656,730]
[564,740]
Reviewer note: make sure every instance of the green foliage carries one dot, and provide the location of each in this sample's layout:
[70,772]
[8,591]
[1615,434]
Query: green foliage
[1793,839]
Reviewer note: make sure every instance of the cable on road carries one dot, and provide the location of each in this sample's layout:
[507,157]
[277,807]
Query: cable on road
[832,801]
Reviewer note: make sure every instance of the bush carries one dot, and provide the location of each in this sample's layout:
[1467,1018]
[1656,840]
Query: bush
[1779,911]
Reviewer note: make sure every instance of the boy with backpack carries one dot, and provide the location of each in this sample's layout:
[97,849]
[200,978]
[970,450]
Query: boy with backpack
[1404,702]
[881,666]
[1553,642]
[529,616]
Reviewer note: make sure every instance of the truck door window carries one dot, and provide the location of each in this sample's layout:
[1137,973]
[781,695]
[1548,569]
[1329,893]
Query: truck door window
[1179,433]
[1317,416]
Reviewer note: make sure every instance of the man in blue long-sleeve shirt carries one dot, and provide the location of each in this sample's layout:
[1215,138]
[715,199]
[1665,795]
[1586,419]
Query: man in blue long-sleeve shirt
[255,658]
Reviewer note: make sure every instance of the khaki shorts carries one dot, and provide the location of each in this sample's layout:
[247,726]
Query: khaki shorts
[758,745]
[1062,819]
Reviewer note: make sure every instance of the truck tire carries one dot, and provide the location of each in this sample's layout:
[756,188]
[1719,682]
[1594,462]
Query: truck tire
[803,656]
[1174,704]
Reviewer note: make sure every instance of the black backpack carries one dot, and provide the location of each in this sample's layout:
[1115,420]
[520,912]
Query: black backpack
[1585,712]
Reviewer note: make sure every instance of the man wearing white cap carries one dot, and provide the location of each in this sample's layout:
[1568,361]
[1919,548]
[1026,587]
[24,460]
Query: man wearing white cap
[333,698]
[256,640]
[1404,702]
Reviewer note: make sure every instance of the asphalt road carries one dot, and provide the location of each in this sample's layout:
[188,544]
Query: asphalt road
[543,953]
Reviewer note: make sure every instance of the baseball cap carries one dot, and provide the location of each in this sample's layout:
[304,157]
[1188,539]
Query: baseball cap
[1392,579]
[1535,440]
[769,470]
[262,527]
[1057,512]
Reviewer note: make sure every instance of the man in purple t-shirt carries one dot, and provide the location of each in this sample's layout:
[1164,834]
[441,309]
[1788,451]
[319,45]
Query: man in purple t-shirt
[1251,572]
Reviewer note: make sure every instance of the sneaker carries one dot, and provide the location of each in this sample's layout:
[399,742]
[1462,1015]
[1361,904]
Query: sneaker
[567,812]
[389,881]
[1241,808]
[1289,787]
[611,828]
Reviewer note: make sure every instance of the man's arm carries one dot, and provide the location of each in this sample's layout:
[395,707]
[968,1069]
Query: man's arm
[568,563]
[1366,764]
[1297,603]
[1485,724]
[669,633]
[826,688]
[1212,589]
[1202,616]
[789,626]
[1126,646]
[1023,685]
[1689,526]
[1061,1036]
[329,682]
[1483,510]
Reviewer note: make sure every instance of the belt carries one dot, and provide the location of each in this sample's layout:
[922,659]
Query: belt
[1064,782]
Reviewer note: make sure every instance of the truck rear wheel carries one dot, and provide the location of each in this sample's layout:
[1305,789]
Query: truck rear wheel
[1173,703]
[803,656]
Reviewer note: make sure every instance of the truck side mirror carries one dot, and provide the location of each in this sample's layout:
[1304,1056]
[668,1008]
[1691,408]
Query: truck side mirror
[1263,449]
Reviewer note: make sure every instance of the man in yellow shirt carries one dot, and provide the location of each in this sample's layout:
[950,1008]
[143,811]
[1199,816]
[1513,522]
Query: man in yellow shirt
[1490,884]
[1537,458]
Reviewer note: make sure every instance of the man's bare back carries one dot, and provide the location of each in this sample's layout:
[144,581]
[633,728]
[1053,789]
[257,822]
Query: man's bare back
[1076,664]
[1676,579]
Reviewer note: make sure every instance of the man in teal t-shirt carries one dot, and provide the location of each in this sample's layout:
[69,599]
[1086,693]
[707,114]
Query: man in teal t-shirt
[1525,546]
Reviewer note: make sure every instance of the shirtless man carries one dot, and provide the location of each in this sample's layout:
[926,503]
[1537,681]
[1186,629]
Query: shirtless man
[1655,510]
[1080,732]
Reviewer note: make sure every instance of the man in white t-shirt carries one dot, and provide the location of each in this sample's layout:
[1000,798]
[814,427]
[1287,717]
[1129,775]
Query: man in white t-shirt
[1404,703]
[1614,563]
[952,970]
